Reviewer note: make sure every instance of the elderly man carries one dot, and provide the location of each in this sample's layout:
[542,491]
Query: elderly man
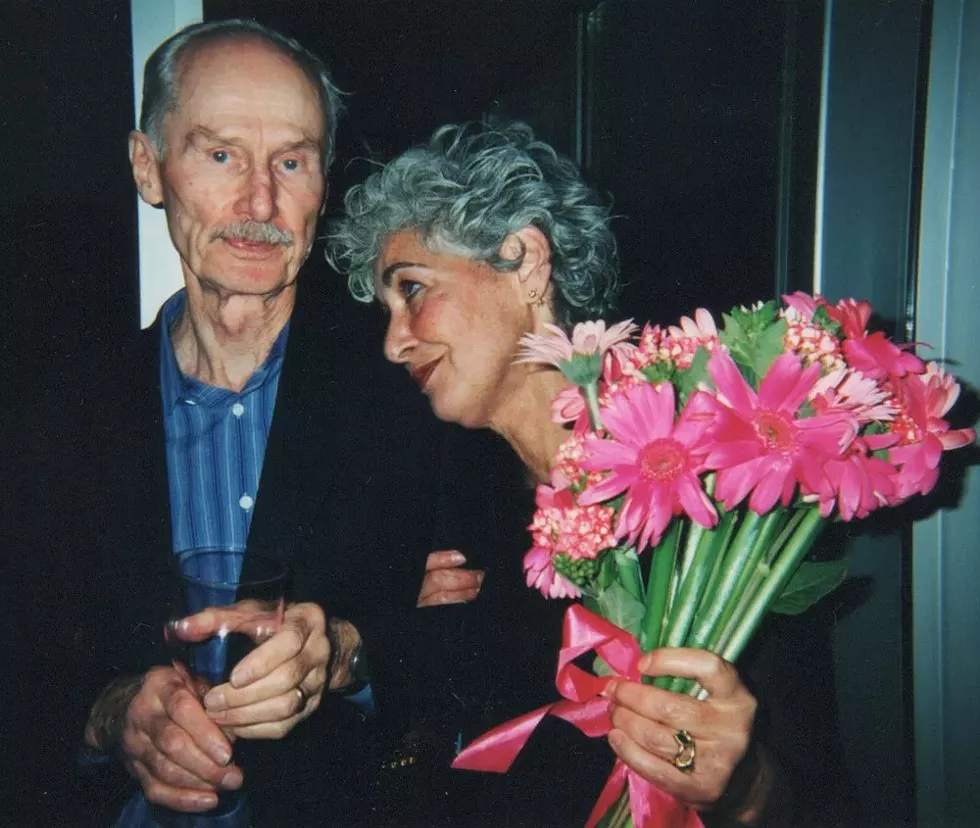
[255,419]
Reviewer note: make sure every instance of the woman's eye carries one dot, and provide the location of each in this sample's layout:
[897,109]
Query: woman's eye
[408,288]
[221,156]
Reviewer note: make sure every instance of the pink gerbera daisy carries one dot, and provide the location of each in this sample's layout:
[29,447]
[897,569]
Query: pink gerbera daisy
[923,433]
[652,458]
[873,354]
[858,482]
[762,447]
[589,341]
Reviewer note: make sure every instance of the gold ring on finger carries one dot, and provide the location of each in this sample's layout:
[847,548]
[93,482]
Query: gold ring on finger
[684,758]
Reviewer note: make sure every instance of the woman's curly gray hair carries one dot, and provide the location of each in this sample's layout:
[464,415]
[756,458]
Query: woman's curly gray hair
[465,191]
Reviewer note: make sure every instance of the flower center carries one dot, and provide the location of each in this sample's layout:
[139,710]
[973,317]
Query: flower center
[662,460]
[775,431]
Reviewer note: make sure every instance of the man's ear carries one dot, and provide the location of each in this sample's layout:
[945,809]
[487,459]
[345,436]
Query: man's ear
[534,274]
[146,168]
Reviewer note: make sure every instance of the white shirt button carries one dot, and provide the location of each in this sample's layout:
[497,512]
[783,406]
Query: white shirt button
[238,409]
[245,501]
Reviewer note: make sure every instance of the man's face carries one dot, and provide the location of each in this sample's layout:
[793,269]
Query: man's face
[241,179]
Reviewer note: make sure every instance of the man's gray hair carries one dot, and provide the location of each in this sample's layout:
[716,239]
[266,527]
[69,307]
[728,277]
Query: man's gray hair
[161,75]
[464,192]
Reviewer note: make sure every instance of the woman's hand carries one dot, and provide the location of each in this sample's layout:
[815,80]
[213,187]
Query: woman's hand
[646,719]
[446,582]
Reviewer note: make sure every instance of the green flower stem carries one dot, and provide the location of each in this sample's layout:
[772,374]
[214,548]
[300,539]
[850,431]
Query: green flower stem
[689,596]
[717,598]
[758,573]
[619,815]
[782,570]
[695,531]
[726,526]
[591,393]
[659,586]
[763,537]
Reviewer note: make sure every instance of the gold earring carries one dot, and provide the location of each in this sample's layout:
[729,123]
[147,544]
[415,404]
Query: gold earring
[532,293]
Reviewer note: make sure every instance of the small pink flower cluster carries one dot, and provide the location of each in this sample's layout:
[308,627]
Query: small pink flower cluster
[843,418]
[562,527]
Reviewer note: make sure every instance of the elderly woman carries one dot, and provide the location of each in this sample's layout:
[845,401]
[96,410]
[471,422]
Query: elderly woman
[470,242]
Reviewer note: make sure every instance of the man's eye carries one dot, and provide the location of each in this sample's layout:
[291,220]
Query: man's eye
[291,164]
[221,156]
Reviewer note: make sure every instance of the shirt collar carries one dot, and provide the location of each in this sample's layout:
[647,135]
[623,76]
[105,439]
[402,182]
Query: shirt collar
[176,386]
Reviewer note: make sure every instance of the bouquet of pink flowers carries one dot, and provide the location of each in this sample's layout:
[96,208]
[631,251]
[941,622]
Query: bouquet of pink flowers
[720,454]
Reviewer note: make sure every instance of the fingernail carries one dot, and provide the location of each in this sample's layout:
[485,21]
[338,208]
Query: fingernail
[479,578]
[205,802]
[239,678]
[608,690]
[221,754]
[457,558]
[215,700]
[615,739]
[232,780]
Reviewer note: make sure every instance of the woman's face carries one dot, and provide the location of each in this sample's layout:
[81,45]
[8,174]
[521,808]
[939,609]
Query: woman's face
[455,325]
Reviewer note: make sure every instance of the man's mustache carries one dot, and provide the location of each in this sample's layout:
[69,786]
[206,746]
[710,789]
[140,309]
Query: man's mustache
[256,231]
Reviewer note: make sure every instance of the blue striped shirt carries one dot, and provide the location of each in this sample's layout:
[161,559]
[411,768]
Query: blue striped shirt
[216,442]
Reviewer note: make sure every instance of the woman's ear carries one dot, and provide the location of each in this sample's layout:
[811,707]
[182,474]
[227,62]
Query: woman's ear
[534,274]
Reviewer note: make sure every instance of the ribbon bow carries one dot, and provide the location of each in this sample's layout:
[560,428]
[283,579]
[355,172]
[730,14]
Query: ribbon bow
[585,707]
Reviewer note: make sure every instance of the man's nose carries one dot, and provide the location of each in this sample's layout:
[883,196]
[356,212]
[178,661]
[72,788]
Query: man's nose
[258,199]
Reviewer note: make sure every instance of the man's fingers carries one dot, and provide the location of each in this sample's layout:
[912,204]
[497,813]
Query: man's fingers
[190,734]
[303,631]
[277,709]
[259,620]
[444,559]
[186,800]
[281,681]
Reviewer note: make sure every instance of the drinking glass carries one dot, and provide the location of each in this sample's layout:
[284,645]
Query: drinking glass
[249,611]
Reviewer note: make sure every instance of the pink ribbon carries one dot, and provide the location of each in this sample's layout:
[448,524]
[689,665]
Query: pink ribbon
[585,707]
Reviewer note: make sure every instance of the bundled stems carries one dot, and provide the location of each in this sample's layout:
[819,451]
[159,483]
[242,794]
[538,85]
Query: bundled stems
[750,565]
[692,589]
[782,570]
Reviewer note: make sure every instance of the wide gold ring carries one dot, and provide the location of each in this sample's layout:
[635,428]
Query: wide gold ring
[684,758]
[303,698]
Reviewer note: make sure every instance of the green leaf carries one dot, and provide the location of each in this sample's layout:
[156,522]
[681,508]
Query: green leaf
[768,345]
[687,380]
[811,582]
[617,605]
[823,320]
[658,372]
[607,570]
[628,571]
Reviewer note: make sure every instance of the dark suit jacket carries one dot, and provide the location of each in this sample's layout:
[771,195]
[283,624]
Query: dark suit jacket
[345,499]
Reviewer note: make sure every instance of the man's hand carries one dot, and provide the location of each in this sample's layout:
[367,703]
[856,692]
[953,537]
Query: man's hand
[446,582]
[168,742]
[279,683]
[645,719]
